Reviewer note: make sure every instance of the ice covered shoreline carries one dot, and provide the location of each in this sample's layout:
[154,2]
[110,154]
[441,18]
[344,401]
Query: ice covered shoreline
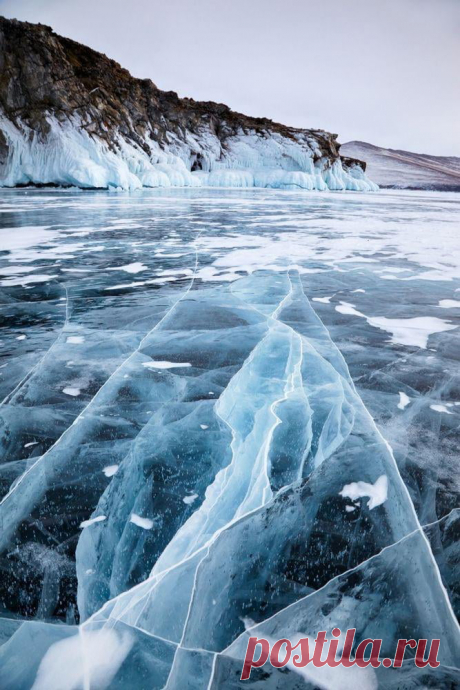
[69,156]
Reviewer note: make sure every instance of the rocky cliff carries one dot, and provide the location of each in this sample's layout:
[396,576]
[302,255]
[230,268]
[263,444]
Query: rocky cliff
[71,116]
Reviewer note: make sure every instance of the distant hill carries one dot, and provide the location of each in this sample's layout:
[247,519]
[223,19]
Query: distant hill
[406,170]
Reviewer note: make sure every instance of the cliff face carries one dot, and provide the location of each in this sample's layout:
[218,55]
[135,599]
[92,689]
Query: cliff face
[70,115]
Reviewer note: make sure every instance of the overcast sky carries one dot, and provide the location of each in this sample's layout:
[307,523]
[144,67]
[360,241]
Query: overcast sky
[383,71]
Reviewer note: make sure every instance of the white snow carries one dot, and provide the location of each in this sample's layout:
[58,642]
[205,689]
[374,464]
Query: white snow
[204,426]
[75,339]
[32,443]
[135,267]
[404,400]
[21,337]
[145,523]
[26,280]
[164,364]
[69,390]
[440,408]
[190,499]
[87,657]
[324,300]
[413,332]
[91,521]
[347,308]
[377,492]
[449,304]
[110,470]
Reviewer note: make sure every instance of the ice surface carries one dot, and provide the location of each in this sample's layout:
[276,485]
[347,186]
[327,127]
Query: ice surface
[242,454]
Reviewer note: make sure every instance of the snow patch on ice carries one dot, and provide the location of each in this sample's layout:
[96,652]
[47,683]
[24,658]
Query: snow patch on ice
[145,523]
[89,657]
[92,521]
[404,400]
[190,499]
[449,304]
[74,392]
[440,408]
[413,332]
[110,470]
[164,364]
[377,492]
[323,300]
[135,267]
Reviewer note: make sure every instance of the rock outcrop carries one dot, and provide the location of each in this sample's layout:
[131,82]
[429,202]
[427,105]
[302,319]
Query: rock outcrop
[71,116]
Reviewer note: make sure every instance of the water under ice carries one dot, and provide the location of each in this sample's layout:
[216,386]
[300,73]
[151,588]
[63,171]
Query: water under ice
[239,451]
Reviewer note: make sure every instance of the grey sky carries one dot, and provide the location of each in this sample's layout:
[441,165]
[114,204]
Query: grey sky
[383,71]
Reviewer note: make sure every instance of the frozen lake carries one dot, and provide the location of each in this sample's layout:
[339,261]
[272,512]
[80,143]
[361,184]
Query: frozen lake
[224,403]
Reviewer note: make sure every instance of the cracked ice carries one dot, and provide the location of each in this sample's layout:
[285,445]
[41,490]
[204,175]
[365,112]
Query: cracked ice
[225,446]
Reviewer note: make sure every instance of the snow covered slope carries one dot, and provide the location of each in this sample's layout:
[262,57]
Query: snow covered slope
[71,116]
[405,170]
